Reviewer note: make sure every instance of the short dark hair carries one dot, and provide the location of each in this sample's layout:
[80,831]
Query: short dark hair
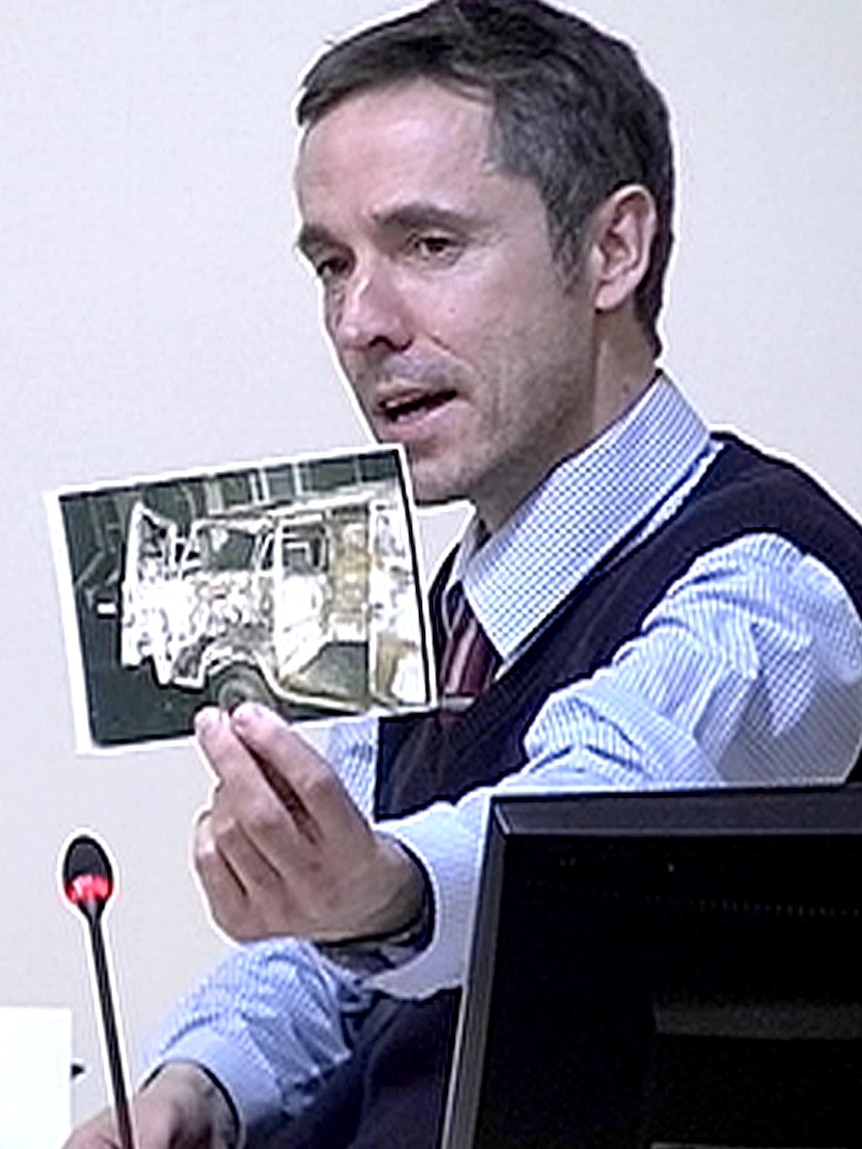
[572,108]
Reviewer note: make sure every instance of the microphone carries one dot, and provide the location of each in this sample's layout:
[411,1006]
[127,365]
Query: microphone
[88,883]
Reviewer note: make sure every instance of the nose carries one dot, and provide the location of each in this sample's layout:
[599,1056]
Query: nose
[367,311]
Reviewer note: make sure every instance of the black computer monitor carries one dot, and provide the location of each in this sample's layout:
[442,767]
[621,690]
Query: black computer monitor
[657,969]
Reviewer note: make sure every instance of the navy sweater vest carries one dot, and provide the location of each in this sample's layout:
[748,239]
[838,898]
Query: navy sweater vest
[444,755]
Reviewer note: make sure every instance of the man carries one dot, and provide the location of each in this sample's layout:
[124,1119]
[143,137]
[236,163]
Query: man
[486,196]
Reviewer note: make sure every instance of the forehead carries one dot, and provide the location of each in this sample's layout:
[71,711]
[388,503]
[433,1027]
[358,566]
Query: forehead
[416,138]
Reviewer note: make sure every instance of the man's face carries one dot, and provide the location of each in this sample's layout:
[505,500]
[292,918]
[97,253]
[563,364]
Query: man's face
[441,297]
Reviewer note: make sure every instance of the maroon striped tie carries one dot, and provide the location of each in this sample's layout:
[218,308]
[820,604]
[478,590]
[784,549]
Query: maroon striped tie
[469,660]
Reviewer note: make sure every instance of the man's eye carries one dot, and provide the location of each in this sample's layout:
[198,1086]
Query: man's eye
[435,248]
[330,268]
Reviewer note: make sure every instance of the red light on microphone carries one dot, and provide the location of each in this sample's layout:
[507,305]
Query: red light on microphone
[89,888]
[87,877]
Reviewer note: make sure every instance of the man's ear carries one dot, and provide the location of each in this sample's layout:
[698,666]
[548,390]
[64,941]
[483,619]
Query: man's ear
[623,228]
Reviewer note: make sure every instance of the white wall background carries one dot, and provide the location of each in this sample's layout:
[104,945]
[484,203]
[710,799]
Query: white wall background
[153,317]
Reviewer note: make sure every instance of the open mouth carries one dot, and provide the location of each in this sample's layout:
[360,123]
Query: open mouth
[414,406]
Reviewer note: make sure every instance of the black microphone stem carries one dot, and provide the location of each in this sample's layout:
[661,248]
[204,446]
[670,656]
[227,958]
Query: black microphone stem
[88,883]
[112,1040]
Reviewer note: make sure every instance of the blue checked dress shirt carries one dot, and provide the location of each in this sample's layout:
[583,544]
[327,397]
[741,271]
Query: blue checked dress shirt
[749,671]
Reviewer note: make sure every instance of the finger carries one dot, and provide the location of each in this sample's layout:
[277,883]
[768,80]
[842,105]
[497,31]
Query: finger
[292,765]
[100,1132]
[242,786]
[252,844]
[251,829]
[276,749]
[248,776]
[210,860]
[226,892]
[250,898]
[226,755]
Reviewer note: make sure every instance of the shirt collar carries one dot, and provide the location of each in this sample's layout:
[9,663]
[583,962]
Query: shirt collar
[587,505]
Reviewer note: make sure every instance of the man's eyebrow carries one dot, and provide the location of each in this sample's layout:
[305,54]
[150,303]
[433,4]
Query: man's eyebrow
[414,216]
[312,238]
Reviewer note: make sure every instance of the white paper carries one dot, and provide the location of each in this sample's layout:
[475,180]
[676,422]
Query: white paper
[35,1074]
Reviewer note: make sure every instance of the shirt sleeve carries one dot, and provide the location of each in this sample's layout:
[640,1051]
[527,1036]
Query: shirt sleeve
[274,1019]
[749,672]
[269,1023]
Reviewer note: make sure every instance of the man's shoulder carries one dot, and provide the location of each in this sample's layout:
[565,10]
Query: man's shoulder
[748,490]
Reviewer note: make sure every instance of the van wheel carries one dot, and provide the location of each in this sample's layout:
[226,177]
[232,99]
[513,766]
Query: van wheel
[240,684]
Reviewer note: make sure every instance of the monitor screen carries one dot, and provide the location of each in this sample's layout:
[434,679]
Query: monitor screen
[665,970]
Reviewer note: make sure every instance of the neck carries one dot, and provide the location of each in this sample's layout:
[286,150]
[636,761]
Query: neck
[625,367]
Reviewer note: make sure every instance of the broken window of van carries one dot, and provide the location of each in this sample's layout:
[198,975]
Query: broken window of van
[294,583]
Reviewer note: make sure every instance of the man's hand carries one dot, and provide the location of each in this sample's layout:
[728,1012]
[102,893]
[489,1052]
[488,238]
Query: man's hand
[283,849]
[180,1108]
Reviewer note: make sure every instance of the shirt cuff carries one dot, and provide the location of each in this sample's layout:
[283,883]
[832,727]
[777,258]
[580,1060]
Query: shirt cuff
[249,1090]
[447,843]
[228,1127]
[382,952]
